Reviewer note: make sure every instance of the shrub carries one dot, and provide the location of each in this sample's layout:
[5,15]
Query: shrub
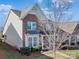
[0,42]
[25,51]
[36,48]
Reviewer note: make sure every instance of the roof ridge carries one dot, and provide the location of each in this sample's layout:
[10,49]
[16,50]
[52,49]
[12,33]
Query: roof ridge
[15,10]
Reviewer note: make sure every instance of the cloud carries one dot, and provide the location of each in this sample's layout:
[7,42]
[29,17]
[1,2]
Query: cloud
[40,1]
[62,0]
[4,9]
[48,13]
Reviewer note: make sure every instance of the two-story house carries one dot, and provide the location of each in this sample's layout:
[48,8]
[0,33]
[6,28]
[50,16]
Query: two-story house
[22,27]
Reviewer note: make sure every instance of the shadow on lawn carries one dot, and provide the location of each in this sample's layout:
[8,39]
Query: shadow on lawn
[12,53]
[36,55]
[9,54]
[42,57]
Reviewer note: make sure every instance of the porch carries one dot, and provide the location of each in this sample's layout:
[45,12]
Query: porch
[47,41]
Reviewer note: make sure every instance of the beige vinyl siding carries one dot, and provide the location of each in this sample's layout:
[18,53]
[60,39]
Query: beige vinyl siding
[13,30]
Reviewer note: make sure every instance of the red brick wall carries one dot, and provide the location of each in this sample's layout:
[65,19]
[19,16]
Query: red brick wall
[29,17]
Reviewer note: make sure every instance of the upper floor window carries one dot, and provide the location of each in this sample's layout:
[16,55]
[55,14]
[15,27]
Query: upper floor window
[31,25]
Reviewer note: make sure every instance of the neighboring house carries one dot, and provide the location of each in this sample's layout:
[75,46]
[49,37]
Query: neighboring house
[22,28]
[71,32]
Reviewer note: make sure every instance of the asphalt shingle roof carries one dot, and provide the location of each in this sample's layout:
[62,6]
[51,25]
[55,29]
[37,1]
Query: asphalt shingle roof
[67,27]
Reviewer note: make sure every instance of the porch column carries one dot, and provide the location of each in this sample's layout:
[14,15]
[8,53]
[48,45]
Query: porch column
[42,41]
[38,40]
[49,38]
[32,41]
[69,40]
[75,40]
[26,40]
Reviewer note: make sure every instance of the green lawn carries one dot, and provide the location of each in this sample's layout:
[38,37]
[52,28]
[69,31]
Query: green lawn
[42,57]
[71,52]
[74,52]
[9,55]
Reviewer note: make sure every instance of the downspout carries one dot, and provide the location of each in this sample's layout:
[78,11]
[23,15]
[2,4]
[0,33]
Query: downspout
[23,35]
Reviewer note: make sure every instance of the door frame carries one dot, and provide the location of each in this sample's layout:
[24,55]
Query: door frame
[31,35]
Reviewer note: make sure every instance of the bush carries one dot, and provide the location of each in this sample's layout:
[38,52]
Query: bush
[25,51]
[35,48]
[0,42]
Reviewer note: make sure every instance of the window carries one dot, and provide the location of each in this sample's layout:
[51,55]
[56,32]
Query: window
[77,43]
[30,41]
[31,25]
[72,43]
[35,41]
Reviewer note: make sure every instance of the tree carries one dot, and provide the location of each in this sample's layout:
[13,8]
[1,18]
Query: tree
[60,10]
[59,14]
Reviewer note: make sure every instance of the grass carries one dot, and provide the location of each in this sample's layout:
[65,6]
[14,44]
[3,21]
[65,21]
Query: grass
[71,52]
[50,54]
[41,57]
[8,54]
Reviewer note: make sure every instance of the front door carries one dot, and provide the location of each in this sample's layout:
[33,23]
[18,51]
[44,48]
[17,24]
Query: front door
[30,41]
[33,40]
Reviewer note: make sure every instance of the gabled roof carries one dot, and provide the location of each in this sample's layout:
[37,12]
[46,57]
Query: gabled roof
[34,9]
[68,27]
[17,12]
[23,13]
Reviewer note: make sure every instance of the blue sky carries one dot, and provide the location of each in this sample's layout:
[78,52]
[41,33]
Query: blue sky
[6,5]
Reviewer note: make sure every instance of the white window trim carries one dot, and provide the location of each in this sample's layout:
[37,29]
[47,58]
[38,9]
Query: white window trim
[34,35]
[31,25]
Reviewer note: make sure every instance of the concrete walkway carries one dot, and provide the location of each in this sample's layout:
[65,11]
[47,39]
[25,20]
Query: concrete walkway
[58,55]
[65,55]
[62,54]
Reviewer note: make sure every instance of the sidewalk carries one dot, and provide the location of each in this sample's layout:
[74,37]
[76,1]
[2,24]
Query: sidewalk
[62,54]
[50,54]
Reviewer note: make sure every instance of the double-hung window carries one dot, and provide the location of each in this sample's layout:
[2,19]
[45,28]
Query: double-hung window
[32,41]
[31,25]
